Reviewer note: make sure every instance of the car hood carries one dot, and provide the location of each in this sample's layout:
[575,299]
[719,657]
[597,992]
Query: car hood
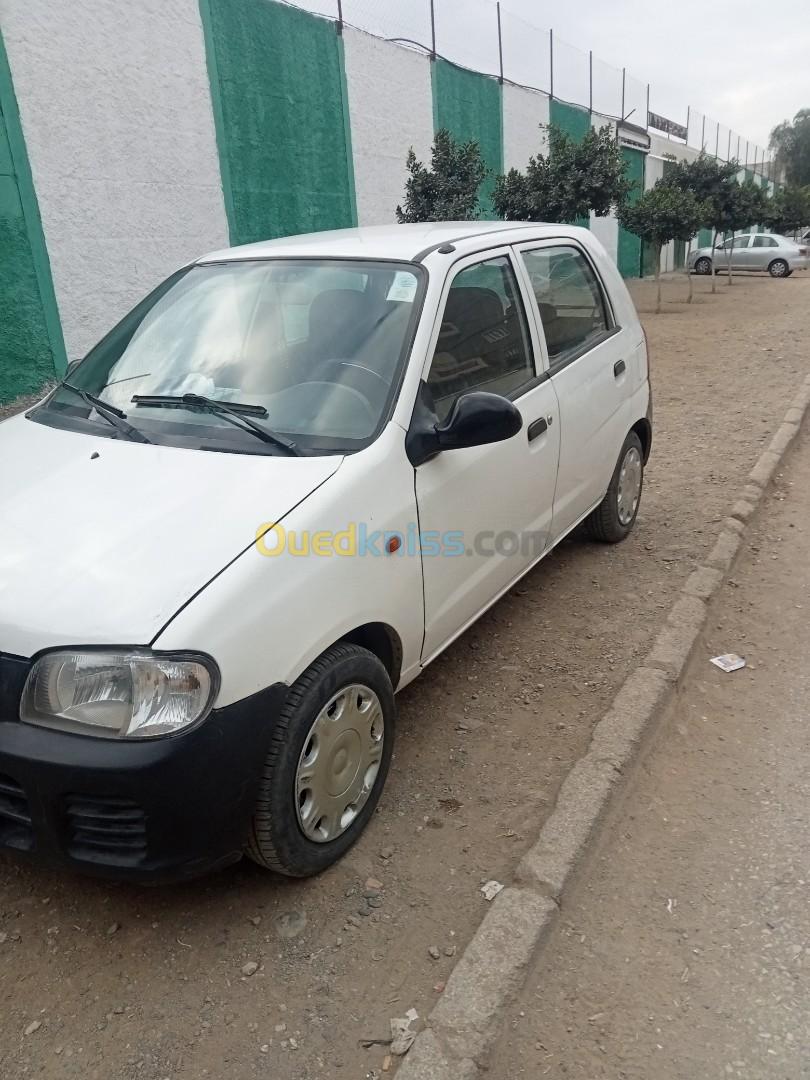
[101,541]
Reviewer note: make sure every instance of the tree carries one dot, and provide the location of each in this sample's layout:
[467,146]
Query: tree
[790,142]
[662,214]
[709,181]
[742,206]
[448,190]
[787,210]
[568,182]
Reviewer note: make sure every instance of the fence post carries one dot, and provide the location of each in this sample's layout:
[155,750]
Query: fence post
[728,152]
[551,63]
[703,134]
[624,81]
[500,42]
[739,140]
[339,23]
[590,82]
[432,30]
[688,116]
[647,117]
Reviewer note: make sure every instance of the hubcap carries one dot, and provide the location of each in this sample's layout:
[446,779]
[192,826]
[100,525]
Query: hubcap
[778,269]
[339,763]
[703,266]
[629,485]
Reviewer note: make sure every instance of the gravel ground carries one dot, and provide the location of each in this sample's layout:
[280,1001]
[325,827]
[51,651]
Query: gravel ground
[682,951]
[147,984]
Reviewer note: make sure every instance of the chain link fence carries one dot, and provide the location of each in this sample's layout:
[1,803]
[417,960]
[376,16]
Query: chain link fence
[485,37]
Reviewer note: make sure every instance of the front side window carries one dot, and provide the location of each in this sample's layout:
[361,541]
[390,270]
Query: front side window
[571,301]
[483,339]
[761,241]
[314,347]
[738,243]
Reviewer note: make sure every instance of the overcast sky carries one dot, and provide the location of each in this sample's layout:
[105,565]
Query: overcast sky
[744,62]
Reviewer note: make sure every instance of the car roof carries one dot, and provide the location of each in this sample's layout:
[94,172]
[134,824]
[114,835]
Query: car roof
[405,243]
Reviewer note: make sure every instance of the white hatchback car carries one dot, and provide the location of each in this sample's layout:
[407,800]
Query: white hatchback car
[280,487]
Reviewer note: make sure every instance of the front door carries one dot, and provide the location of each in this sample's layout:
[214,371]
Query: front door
[485,511]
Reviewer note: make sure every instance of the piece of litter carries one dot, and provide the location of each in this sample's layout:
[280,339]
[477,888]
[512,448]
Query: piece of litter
[35,1025]
[671,905]
[402,1035]
[490,889]
[728,662]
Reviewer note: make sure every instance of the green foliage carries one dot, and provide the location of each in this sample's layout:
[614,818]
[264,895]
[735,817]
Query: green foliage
[742,206]
[448,190]
[662,214]
[790,142]
[708,180]
[787,210]
[567,183]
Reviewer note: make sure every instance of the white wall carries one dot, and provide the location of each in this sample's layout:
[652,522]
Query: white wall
[605,229]
[116,110]
[523,113]
[390,109]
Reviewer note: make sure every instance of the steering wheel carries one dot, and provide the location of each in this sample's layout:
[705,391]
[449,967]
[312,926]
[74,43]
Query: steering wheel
[364,380]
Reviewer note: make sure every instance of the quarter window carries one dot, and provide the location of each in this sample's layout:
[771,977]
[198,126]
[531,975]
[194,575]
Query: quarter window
[483,340]
[570,299]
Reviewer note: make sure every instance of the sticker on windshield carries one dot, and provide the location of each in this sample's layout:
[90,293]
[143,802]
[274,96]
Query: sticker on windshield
[403,287]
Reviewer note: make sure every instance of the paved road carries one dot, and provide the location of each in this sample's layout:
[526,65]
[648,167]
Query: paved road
[684,950]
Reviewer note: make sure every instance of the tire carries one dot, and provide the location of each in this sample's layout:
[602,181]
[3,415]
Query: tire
[278,839]
[779,268]
[607,523]
[703,265]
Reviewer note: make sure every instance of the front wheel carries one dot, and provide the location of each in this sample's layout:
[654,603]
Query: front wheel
[703,265]
[615,516]
[779,268]
[327,763]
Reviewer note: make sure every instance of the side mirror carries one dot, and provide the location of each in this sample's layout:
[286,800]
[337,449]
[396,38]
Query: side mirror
[477,418]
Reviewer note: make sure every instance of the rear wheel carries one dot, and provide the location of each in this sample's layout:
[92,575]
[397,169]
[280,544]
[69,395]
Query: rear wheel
[779,268]
[327,763]
[615,516]
[703,265]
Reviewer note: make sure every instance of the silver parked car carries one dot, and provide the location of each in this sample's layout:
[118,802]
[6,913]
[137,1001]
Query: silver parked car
[752,251]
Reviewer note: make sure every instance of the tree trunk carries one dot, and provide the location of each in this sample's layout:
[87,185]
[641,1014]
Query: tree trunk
[714,276]
[689,279]
[658,278]
[730,261]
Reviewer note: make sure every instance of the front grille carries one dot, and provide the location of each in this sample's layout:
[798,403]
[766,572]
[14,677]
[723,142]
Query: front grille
[15,816]
[108,830]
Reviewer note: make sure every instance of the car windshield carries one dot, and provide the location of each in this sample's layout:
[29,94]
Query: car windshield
[316,346]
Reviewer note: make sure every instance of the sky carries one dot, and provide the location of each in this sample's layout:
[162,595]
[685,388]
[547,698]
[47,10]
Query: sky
[745,63]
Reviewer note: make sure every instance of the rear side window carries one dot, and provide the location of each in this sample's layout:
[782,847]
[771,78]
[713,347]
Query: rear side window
[764,241]
[571,300]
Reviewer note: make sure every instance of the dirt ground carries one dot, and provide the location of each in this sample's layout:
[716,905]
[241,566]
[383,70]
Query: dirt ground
[147,984]
[682,950]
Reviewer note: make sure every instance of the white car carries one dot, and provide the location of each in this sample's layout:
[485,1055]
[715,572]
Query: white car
[277,490]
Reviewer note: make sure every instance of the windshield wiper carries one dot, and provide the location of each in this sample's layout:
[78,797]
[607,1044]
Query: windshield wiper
[234,411]
[110,413]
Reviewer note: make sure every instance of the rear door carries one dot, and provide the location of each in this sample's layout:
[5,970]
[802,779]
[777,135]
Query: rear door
[761,252]
[590,362]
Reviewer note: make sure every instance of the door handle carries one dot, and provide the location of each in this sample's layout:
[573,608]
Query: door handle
[537,427]
[618,368]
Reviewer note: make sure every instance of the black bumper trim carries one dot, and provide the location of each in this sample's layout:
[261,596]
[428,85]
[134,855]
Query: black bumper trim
[158,810]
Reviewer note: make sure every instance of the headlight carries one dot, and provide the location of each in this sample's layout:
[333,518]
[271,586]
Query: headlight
[120,694]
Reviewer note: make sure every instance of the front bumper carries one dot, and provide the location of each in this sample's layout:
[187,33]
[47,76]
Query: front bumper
[154,810]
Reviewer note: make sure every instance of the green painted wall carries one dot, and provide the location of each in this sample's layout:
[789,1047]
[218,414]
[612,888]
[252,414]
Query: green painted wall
[705,238]
[31,345]
[470,106]
[629,256]
[278,89]
[574,122]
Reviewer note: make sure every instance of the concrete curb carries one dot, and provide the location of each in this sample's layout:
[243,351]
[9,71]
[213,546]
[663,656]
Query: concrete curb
[465,1022]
